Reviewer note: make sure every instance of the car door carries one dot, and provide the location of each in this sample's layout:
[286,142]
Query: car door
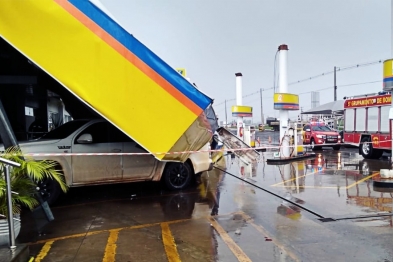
[96,168]
[137,167]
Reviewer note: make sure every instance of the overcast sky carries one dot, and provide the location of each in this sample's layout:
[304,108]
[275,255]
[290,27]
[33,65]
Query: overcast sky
[214,40]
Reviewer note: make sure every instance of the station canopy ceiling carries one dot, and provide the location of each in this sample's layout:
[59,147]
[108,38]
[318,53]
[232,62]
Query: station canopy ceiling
[84,49]
[331,108]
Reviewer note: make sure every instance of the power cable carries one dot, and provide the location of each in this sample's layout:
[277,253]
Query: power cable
[308,92]
[338,69]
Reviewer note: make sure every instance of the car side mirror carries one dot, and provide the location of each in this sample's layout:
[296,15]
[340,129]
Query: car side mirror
[85,139]
[308,130]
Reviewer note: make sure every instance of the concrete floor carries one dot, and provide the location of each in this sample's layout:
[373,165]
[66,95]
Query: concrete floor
[144,222]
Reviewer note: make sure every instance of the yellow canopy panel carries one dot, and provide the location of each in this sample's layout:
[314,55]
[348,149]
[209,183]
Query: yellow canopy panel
[107,68]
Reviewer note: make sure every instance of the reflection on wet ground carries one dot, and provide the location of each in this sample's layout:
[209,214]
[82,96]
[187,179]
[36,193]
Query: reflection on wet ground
[334,184]
[223,218]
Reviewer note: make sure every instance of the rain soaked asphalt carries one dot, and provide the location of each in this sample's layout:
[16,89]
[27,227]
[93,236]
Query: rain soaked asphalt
[223,218]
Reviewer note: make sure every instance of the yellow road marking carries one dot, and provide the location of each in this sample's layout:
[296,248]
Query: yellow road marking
[316,187]
[110,249]
[236,250]
[44,251]
[263,231]
[106,230]
[121,228]
[362,180]
[169,244]
[312,173]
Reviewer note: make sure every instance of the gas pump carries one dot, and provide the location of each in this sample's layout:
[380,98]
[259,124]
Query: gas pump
[295,141]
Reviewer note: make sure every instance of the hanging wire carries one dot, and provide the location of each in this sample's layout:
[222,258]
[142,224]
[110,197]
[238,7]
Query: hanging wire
[338,69]
[308,92]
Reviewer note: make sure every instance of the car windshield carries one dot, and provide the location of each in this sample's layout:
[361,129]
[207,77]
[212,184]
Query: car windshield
[64,130]
[321,128]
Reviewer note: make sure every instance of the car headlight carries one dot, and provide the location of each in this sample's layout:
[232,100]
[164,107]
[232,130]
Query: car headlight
[339,137]
[320,136]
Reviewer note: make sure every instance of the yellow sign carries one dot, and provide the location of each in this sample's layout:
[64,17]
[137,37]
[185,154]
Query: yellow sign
[242,111]
[181,71]
[388,75]
[286,101]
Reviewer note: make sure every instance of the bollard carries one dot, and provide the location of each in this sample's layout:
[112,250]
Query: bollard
[252,142]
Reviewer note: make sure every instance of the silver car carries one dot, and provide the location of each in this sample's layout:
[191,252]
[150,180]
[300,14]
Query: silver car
[97,137]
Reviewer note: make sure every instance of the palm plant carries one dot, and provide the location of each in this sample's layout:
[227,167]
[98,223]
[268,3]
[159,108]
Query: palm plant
[24,179]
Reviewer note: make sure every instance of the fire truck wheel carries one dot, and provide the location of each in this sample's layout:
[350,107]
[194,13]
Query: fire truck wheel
[313,146]
[366,148]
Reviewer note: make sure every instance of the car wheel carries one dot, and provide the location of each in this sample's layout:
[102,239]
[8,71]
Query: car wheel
[313,146]
[49,190]
[366,148]
[177,175]
[336,147]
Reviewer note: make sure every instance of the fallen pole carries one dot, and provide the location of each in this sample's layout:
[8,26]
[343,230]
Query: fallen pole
[274,194]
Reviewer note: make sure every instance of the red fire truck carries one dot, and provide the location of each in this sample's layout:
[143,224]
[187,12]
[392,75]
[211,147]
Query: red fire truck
[366,123]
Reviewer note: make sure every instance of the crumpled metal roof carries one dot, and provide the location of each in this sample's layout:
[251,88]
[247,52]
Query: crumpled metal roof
[97,60]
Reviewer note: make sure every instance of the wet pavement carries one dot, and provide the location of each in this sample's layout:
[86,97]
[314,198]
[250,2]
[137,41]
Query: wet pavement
[223,217]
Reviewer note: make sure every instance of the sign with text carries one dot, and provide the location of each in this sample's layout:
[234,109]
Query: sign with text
[368,101]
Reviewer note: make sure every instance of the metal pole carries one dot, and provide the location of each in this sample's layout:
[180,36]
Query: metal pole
[262,118]
[335,85]
[283,88]
[239,102]
[9,206]
[226,118]
[6,132]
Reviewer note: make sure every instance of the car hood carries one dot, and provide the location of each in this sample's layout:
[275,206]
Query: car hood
[327,133]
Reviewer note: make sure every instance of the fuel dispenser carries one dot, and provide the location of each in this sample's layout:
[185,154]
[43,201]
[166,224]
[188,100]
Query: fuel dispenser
[294,141]
[249,136]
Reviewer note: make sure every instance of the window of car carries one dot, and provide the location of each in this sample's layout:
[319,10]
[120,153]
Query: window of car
[320,128]
[104,132]
[64,130]
[305,128]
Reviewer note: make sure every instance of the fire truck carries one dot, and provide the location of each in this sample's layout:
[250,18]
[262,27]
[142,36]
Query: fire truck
[366,123]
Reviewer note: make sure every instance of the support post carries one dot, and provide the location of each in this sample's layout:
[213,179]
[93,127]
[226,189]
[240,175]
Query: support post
[239,102]
[226,117]
[6,132]
[262,117]
[335,85]
[283,88]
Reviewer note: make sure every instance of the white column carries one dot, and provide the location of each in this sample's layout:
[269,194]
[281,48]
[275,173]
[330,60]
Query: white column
[283,88]
[239,102]
[391,29]
[391,55]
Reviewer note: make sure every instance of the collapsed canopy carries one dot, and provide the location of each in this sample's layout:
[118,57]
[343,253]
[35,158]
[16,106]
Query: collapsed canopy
[108,69]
